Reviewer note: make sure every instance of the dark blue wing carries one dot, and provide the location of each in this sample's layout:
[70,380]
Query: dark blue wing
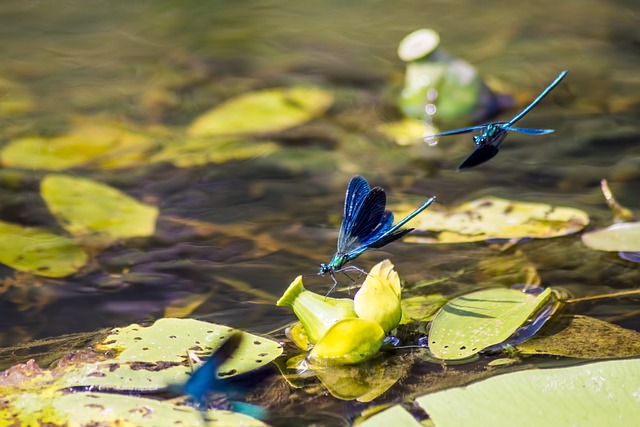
[531,131]
[364,222]
[356,192]
[479,156]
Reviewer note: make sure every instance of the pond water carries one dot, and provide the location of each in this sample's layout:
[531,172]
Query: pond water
[157,65]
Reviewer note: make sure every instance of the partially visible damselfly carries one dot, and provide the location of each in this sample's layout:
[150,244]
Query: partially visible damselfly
[492,134]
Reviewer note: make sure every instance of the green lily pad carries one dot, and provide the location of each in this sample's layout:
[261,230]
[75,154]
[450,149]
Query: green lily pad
[83,409]
[585,338]
[89,209]
[167,340]
[200,151]
[597,394]
[473,322]
[624,237]
[269,110]
[103,145]
[495,218]
[40,252]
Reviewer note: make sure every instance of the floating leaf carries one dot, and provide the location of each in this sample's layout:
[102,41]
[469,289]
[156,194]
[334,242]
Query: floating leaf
[407,131]
[269,110]
[40,252]
[494,218]
[140,344]
[83,409]
[14,98]
[597,394]
[200,151]
[585,338]
[106,146]
[624,237]
[89,209]
[473,322]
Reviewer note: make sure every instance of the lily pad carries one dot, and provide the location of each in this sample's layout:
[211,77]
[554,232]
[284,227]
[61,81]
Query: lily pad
[473,322]
[407,131]
[102,145]
[495,218]
[40,252]
[585,338]
[421,307]
[623,237]
[84,409]
[142,344]
[269,110]
[597,394]
[89,209]
[200,151]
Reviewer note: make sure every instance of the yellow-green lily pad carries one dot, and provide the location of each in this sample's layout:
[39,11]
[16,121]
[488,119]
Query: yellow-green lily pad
[103,145]
[38,251]
[89,209]
[421,307]
[200,151]
[269,110]
[591,395]
[473,322]
[583,337]
[494,218]
[84,409]
[167,340]
[623,237]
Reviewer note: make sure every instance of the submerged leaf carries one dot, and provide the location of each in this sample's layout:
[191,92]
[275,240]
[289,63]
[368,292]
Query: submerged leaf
[40,252]
[89,209]
[421,307]
[592,395]
[106,146]
[473,322]
[269,110]
[585,338]
[200,151]
[624,237]
[495,218]
[363,382]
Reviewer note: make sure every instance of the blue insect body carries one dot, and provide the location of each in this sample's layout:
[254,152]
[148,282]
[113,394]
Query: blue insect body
[366,224]
[492,134]
[204,382]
